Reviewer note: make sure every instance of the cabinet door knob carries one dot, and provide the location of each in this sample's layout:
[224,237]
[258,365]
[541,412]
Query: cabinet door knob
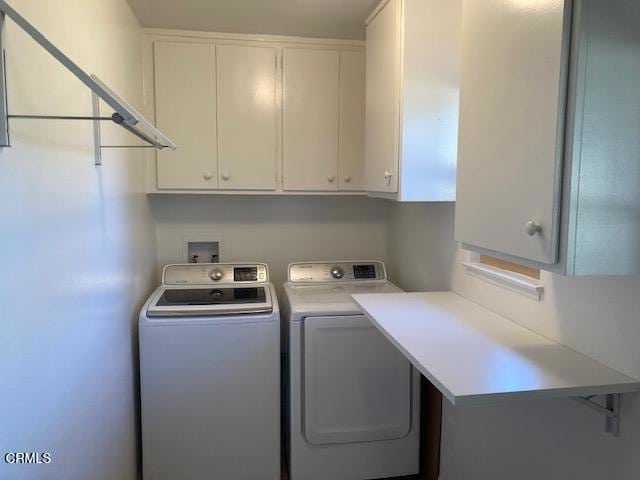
[347,179]
[331,178]
[532,228]
[206,175]
[387,175]
[226,176]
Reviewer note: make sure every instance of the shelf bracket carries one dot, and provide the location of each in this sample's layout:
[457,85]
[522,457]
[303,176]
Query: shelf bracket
[97,137]
[611,410]
[4,121]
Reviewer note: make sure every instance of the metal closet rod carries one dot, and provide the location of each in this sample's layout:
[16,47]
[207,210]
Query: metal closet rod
[125,115]
[115,118]
[58,117]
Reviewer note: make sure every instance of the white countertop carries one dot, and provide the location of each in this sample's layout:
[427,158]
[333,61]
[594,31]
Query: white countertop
[473,355]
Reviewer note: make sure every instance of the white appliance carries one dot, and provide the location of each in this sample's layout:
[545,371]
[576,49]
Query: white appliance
[210,374]
[353,398]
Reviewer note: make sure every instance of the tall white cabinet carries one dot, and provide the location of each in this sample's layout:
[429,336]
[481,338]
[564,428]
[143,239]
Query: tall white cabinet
[383,99]
[256,114]
[549,151]
[413,52]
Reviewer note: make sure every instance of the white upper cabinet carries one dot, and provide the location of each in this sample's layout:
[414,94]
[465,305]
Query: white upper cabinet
[514,66]
[351,136]
[185,109]
[256,114]
[311,82]
[246,103]
[382,99]
[549,151]
[412,85]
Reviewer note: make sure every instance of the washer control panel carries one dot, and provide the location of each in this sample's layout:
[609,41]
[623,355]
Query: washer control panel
[215,273]
[312,272]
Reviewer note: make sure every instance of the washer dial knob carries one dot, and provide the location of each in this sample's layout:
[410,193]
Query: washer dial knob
[337,272]
[216,275]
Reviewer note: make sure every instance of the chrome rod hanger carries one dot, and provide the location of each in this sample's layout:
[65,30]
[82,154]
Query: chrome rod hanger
[58,117]
[115,118]
[125,115]
[96,118]
[127,146]
[63,59]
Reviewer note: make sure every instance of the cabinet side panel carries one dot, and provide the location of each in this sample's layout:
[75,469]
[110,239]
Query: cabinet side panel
[185,101]
[607,237]
[430,91]
[513,79]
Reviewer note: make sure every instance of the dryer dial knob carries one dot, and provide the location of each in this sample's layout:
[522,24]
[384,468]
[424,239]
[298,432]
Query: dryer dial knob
[216,275]
[337,272]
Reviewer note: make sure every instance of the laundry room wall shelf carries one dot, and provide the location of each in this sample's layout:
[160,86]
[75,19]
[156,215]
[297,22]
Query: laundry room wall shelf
[124,114]
[474,356]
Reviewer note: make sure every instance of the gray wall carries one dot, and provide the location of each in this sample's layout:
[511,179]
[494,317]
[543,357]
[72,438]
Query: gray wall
[77,253]
[420,247]
[272,229]
[552,439]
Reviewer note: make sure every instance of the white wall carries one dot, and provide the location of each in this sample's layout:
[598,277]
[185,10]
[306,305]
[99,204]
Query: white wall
[276,230]
[552,439]
[78,252]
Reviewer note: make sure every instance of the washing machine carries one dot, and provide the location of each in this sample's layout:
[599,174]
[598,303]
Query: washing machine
[210,375]
[352,397]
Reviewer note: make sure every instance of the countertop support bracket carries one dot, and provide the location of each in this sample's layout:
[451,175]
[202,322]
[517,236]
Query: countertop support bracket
[611,410]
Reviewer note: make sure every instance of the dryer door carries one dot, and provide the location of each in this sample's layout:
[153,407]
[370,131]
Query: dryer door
[356,386]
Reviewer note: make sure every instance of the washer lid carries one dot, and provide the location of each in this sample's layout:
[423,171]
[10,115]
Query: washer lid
[223,300]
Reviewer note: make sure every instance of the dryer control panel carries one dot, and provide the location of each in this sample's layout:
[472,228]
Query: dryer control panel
[215,273]
[324,272]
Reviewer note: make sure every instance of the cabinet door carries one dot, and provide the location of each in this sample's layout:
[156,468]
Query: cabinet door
[383,99]
[246,93]
[513,76]
[310,119]
[351,137]
[186,112]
